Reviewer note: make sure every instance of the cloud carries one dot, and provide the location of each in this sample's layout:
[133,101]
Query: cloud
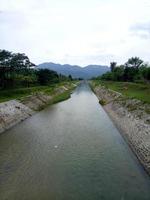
[141,30]
[77,32]
[88,59]
[13,20]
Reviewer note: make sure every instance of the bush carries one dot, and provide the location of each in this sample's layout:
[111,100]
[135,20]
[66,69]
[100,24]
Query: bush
[102,102]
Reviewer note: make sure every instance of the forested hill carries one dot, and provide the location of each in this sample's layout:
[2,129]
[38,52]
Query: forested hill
[76,71]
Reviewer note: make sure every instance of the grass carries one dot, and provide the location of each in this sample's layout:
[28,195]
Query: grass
[61,97]
[19,93]
[56,99]
[131,90]
[6,95]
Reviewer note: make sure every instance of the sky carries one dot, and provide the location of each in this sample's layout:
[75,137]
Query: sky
[78,32]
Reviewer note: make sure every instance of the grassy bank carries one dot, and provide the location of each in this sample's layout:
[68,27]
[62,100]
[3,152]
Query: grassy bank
[58,98]
[19,93]
[131,90]
[61,97]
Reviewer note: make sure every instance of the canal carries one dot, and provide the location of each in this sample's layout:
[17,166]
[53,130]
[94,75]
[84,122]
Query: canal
[70,151]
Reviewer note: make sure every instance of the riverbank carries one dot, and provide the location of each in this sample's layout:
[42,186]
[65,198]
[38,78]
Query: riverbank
[14,111]
[132,118]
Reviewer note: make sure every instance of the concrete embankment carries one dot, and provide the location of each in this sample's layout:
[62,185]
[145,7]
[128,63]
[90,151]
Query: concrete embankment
[132,118]
[14,111]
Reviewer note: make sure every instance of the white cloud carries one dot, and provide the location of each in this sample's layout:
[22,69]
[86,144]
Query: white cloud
[76,32]
[141,30]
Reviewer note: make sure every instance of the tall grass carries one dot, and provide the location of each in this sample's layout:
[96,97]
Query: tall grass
[129,89]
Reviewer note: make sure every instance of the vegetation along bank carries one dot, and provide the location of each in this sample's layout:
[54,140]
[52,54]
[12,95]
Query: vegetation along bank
[15,111]
[128,105]
[124,93]
[24,89]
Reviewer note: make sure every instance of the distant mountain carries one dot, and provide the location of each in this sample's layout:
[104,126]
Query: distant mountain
[76,71]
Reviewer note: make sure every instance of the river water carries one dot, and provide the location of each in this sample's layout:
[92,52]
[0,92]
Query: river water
[70,151]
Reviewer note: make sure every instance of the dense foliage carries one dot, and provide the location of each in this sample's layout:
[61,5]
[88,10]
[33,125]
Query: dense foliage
[134,70]
[16,70]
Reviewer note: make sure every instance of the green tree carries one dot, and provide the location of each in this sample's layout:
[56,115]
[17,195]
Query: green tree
[107,76]
[118,74]
[134,62]
[113,66]
[130,73]
[20,61]
[70,77]
[5,57]
[12,65]
[144,71]
[46,76]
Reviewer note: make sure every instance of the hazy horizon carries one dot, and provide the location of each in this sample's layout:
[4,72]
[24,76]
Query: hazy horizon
[75,64]
[76,32]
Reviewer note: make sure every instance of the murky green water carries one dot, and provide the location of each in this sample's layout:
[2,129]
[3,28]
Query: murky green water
[70,151]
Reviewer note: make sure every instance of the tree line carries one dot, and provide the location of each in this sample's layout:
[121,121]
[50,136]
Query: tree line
[134,70]
[16,70]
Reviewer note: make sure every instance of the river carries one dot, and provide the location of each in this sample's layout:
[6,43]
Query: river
[70,151]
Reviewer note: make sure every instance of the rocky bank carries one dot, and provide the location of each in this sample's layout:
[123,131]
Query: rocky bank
[12,112]
[132,118]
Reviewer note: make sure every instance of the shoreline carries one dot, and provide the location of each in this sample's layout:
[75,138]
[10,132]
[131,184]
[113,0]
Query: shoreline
[13,112]
[131,120]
